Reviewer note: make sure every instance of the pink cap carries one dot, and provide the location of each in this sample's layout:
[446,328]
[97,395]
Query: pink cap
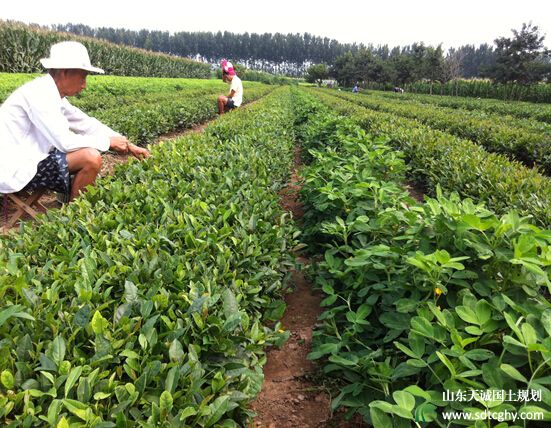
[227,67]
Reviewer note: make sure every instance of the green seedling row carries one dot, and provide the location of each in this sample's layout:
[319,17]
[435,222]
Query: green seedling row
[520,109]
[430,307]
[145,108]
[520,139]
[437,158]
[149,300]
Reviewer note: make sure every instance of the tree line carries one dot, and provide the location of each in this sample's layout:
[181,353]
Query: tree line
[522,59]
[277,53]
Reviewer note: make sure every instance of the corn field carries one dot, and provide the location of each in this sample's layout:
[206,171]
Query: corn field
[23,46]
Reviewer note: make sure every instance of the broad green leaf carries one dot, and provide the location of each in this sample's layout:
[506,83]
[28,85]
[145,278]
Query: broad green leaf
[16,311]
[406,350]
[479,354]
[58,350]
[363,311]
[142,340]
[172,379]
[337,359]
[54,411]
[76,408]
[101,395]
[379,418]
[234,321]
[418,392]
[546,321]
[467,314]
[483,311]
[7,379]
[447,363]
[129,354]
[417,344]
[381,405]
[48,376]
[422,326]
[492,375]
[513,325]
[187,412]
[324,349]
[63,423]
[217,409]
[98,323]
[475,331]
[72,379]
[404,399]
[531,267]
[176,351]
[165,404]
[417,363]
[425,412]
[395,321]
[406,305]
[130,292]
[512,372]
[437,313]
[529,334]
[230,305]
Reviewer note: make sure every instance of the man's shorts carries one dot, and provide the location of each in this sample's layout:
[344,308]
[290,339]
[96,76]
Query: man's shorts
[230,105]
[52,173]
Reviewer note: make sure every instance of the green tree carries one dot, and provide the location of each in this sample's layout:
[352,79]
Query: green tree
[316,73]
[521,58]
[344,69]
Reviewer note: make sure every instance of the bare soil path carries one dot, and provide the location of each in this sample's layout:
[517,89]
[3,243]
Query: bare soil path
[289,398]
[292,395]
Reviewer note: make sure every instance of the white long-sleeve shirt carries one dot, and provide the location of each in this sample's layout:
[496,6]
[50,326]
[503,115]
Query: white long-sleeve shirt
[33,120]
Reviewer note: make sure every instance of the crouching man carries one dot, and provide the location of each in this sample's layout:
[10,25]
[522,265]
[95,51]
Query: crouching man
[235,97]
[44,139]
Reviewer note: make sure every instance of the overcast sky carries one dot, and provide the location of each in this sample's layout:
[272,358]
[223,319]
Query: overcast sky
[452,23]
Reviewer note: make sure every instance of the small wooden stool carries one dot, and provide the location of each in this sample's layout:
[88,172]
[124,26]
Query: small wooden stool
[25,204]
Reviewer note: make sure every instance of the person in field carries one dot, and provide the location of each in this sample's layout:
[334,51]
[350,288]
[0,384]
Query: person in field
[44,139]
[235,97]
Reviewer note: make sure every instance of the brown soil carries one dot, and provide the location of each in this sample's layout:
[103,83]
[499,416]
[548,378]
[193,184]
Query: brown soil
[415,192]
[291,396]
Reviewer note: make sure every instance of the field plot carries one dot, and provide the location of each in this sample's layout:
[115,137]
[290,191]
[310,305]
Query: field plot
[520,109]
[147,299]
[151,299]
[422,299]
[455,164]
[144,108]
[525,140]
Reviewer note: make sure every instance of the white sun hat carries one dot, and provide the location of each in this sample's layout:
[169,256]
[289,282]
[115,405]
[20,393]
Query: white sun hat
[69,54]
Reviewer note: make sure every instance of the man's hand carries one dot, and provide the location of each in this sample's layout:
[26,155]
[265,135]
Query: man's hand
[122,145]
[119,144]
[138,152]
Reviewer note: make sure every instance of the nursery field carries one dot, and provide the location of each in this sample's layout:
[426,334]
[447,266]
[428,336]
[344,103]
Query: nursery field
[143,108]
[437,312]
[145,302]
[154,298]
